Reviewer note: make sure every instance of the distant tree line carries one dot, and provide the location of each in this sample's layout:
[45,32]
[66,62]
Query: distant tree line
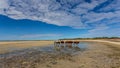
[91,38]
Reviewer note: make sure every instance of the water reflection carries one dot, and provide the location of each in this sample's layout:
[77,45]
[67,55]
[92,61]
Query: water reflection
[62,48]
[67,47]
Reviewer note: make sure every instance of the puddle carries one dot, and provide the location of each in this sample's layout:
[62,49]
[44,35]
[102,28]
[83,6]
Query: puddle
[52,48]
[71,49]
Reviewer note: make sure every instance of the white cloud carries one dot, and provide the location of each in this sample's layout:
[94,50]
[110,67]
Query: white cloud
[73,13]
[102,31]
[3,4]
[98,28]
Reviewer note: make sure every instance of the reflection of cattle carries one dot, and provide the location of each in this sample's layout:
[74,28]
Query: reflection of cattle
[61,44]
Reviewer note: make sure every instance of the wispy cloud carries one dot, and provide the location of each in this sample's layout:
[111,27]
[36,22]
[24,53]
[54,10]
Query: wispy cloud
[73,13]
[97,29]
[102,32]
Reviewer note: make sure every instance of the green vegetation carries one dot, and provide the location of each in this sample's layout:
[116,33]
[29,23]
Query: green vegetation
[91,38]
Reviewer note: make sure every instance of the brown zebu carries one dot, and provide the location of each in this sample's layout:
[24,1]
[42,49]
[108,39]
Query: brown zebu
[65,43]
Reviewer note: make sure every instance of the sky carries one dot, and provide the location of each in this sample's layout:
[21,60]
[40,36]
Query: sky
[56,19]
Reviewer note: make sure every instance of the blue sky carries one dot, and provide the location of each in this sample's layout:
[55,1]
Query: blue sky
[55,19]
[27,30]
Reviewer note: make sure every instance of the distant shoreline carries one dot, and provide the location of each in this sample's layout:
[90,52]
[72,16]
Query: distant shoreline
[22,40]
[95,38]
[111,41]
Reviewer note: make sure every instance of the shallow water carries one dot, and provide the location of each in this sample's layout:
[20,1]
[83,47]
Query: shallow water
[51,48]
[39,55]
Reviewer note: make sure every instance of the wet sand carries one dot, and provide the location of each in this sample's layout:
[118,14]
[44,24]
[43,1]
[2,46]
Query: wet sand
[96,55]
[18,45]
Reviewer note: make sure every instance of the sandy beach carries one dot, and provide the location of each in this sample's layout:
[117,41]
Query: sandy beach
[14,45]
[59,33]
[98,54]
